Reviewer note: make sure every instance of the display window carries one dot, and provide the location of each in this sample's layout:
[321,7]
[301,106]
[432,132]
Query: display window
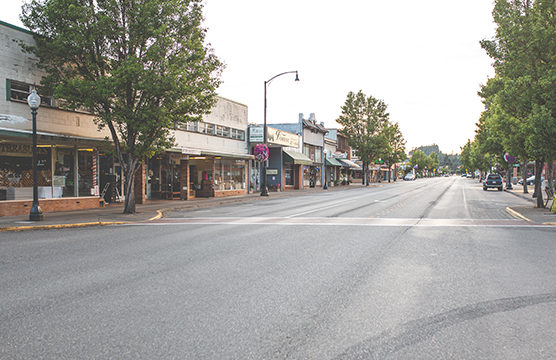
[229,174]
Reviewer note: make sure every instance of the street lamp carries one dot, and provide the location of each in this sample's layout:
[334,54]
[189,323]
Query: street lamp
[34,101]
[325,186]
[264,189]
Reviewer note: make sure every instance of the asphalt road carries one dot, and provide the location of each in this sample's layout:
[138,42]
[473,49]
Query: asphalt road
[430,269]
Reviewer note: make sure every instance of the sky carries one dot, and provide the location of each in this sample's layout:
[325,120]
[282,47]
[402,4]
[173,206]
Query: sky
[422,58]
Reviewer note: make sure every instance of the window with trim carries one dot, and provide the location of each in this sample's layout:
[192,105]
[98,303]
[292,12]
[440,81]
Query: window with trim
[212,129]
[19,91]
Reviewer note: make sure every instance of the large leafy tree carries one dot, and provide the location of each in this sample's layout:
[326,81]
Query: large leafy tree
[364,120]
[395,146]
[140,66]
[524,53]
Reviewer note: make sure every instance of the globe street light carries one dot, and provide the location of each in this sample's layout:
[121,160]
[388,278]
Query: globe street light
[264,188]
[34,101]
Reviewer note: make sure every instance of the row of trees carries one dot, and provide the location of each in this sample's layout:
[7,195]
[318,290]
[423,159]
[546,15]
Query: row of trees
[366,123]
[520,100]
[421,162]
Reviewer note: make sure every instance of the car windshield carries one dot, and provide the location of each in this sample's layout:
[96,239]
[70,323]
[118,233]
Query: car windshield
[494,177]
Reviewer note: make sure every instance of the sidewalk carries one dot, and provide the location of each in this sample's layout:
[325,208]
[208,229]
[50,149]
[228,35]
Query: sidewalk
[152,209]
[530,213]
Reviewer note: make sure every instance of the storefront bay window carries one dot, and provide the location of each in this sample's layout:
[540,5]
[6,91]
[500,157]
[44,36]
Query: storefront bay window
[229,174]
[63,171]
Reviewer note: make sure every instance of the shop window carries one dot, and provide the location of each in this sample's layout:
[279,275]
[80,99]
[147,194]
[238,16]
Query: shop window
[16,171]
[229,175]
[85,172]
[64,171]
[289,173]
[318,152]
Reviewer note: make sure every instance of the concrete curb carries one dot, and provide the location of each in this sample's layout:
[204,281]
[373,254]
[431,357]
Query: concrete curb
[516,214]
[521,196]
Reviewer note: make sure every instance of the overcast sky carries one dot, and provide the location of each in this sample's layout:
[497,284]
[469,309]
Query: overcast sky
[422,58]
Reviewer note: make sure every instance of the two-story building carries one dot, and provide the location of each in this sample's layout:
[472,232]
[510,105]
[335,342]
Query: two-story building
[76,166]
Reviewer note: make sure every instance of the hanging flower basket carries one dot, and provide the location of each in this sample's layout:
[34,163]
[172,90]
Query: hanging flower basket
[261,152]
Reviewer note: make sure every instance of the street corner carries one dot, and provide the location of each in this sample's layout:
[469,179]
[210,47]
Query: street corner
[533,215]
[516,214]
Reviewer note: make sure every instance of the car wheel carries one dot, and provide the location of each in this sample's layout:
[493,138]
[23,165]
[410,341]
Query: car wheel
[484,188]
[500,188]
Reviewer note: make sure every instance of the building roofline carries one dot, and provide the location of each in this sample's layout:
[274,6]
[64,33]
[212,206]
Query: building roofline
[236,102]
[11,26]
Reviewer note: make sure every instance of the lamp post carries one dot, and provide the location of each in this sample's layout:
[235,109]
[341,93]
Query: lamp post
[264,189]
[34,101]
[325,186]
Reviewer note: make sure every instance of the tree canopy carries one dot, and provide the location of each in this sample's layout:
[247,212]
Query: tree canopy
[140,66]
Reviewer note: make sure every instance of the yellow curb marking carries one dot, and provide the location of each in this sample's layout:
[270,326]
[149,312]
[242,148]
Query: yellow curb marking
[62,226]
[158,216]
[517,214]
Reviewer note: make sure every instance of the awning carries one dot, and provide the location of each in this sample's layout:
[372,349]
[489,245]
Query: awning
[332,162]
[349,164]
[297,158]
[46,136]
[227,155]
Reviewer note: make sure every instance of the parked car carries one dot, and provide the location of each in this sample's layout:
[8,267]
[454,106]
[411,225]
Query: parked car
[530,180]
[409,177]
[493,181]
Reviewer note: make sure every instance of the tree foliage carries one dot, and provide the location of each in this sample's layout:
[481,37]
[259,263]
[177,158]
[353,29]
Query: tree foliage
[140,66]
[364,121]
[520,101]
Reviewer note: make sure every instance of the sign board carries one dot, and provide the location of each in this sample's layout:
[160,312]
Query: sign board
[274,136]
[272,171]
[256,134]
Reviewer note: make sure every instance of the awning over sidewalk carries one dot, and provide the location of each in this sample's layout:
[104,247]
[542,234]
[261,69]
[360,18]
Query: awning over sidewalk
[228,155]
[332,162]
[349,164]
[297,158]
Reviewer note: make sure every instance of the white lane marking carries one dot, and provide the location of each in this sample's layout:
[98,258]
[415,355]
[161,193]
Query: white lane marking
[350,224]
[321,208]
[329,221]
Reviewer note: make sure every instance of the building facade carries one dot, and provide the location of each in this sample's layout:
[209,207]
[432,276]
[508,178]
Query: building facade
[76,166]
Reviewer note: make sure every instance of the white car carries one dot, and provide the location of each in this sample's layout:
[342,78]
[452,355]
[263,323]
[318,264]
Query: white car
[409,177]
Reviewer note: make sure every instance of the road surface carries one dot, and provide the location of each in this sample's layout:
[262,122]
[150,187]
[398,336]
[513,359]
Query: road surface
[428,269]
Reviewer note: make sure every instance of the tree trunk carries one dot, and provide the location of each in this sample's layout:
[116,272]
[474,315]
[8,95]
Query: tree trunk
[389,172]
[524,176]
[130,169]
[550,172]
[509,176]
[539,164]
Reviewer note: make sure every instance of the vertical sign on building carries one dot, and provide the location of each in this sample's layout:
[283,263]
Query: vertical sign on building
[94,190]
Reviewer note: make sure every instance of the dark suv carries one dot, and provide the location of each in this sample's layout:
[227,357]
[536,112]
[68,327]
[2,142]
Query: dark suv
[493,181]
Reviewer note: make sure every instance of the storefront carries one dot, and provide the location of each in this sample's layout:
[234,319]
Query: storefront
[295,164]
[185,176]
[67,167]
[63,170]
[332,173]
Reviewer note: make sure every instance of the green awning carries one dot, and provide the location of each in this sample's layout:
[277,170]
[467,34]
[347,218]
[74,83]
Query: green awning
[297,158]
[332,162]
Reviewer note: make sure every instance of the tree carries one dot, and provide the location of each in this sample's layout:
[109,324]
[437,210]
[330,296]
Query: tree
[140,66]
[395,150]
[524,53]
[419,161]
[363,121]
[433,161]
